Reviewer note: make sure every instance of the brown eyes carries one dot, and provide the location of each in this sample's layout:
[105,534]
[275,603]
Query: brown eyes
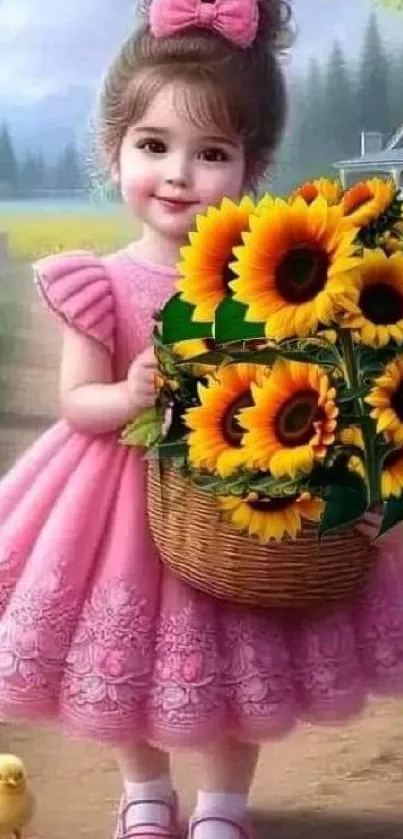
[152,146]
[214,155]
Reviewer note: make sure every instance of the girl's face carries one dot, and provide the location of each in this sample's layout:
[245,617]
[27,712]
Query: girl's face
[170,169]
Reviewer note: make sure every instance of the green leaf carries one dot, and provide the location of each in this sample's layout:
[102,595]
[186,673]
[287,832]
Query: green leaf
[345,420]
[311,350]
[145,430]
[344,451]
[384,450]
[206,481]
[169,449]
[178,324]
[273,487]
[214,357]
[231,325]
[346,502]
[372,361]
[266,357]
[393,513]
[350,394]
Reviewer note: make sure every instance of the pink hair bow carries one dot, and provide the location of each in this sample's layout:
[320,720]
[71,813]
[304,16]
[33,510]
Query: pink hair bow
[236,20]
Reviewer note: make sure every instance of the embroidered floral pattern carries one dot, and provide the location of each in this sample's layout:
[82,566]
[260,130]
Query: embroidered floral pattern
[111,657]
[202,666]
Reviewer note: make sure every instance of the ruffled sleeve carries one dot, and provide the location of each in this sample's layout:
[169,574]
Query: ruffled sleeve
[77,288]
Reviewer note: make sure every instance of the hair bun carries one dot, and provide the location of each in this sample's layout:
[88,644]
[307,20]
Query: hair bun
[275,23]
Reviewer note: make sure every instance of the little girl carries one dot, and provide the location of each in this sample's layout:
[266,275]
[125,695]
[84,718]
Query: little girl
[94,632]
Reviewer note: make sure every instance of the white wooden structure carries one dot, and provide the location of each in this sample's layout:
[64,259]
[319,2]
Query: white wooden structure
[376,158]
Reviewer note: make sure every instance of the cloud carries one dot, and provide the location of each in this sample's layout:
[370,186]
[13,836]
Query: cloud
[46,45]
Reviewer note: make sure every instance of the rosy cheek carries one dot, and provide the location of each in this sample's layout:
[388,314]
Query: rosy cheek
[227,182]
[137,188]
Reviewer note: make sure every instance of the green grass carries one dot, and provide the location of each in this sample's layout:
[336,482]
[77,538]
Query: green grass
[32,235]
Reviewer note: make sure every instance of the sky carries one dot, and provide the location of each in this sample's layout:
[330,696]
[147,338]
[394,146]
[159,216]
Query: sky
[49,45]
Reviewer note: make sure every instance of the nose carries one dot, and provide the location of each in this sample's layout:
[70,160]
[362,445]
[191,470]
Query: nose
[177,171]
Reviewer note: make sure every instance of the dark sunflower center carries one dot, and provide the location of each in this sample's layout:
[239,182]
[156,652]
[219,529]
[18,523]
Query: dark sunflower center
[231,429]
[227,274]
[392,459]
[294,423]
[397,401]
[272,505]
[381,303]
[302,273]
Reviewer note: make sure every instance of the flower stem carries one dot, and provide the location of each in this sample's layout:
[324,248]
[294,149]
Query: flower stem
[351,370]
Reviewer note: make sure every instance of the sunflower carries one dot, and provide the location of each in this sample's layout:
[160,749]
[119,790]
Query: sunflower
[330,190]
[295,260]
[392,474]
[328,335]
[373,307]
[271,518]
[193,348]
[386,401]
[367,200]
[352,436]
[393,239]
[215,439]
[292,421]
[204,269]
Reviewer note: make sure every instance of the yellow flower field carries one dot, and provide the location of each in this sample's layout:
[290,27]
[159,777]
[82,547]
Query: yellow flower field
[33,235]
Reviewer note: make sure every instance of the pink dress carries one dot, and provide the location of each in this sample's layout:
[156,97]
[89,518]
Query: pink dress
[95,633]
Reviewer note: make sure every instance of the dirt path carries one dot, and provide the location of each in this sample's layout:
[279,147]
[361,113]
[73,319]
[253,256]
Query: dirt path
[318,783]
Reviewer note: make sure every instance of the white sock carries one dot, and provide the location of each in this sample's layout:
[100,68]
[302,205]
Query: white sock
[229,805]
[148,792]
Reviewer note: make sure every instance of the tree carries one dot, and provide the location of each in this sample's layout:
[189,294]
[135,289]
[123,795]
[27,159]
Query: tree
[339,111]
[68,173]
[8,162]
[33,175]
[310,148]
[373,90]
[396,89]
[283,176]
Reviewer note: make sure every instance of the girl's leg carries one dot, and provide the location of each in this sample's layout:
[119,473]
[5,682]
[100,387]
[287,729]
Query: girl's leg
[148,795]
[228,770]
[142,762]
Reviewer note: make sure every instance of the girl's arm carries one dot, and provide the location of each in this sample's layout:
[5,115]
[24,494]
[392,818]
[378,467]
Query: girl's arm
[90,401]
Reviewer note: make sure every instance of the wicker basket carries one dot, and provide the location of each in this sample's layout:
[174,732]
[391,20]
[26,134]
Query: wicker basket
[212,556]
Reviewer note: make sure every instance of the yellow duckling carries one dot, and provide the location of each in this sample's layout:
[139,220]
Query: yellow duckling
[16,801]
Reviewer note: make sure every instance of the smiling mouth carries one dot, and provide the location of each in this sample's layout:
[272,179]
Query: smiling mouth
[175,202]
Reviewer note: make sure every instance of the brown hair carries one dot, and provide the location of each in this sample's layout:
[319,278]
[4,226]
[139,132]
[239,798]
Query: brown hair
[242,91]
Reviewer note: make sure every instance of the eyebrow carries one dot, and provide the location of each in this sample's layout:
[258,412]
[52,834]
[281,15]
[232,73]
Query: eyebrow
[149,129]
[163,132]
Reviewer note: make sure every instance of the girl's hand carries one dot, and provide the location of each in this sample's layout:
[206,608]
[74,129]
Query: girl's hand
[141,380]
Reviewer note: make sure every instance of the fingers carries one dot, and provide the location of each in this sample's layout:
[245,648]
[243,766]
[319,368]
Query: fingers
[146,397]
[148,359]
[147,390]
